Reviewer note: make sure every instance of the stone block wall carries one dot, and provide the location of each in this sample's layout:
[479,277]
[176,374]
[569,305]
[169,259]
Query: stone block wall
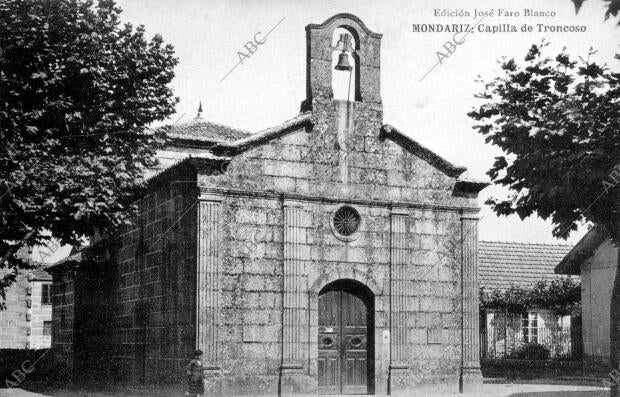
[81,326]
[63,309]
[270,249]
[250,331]
[21,323]
[433,290]
[40,314]
[314,163]
[128,314]
[14,321]
[416,249]
[408,252]
[366,260]
[155,293]
[234,263]
[390,187]
[93,326]
[253,242]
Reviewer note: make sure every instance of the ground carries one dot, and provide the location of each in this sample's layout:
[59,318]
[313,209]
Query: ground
[489,390]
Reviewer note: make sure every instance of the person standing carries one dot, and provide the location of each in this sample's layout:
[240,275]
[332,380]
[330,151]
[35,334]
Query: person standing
[195,376]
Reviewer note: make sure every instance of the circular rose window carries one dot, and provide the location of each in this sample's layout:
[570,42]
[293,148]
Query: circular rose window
[345,222]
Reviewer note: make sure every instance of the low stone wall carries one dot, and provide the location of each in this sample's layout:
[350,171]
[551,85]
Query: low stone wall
[530,369]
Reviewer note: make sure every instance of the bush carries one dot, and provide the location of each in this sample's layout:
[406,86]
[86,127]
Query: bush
[530,351]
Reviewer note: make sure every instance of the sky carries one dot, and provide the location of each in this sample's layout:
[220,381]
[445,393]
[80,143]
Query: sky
[268,87]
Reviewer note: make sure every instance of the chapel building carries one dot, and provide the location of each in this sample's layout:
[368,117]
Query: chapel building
[332,254]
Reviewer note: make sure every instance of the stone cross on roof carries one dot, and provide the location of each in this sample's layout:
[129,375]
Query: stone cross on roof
[199,114]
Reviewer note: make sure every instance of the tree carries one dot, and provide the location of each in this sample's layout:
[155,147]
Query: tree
[77,92]
[562,297]
[558,122]
[613,7]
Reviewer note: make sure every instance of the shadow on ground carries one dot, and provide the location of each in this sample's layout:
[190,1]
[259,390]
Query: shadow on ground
[563,393]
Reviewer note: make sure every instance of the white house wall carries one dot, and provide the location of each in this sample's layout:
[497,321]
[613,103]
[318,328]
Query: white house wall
[597,278]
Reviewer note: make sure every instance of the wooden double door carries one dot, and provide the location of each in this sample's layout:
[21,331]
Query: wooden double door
[346,354]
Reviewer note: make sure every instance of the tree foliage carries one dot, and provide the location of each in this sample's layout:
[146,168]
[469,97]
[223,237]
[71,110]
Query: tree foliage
[613,7]
[561,297]
[557,121]
[78,89]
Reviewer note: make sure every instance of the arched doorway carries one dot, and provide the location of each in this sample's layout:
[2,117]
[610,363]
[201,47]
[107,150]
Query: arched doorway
[346,339]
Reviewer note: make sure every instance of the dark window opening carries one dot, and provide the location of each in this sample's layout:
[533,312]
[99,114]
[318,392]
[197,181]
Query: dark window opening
[46,294]
[47,327]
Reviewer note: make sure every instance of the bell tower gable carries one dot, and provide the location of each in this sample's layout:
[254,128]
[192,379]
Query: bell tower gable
[364,56]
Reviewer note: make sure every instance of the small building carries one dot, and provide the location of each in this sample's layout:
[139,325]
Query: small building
[594,259]
[330,254]
[26,318]
[505,334]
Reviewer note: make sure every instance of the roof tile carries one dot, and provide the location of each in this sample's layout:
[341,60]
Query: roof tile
[502,264]
[207,131]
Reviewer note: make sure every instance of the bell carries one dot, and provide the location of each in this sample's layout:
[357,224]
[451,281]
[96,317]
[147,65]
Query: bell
[343,62]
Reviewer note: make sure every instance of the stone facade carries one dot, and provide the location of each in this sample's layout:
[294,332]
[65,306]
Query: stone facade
[62,317]
[237,243]
[131,315]
[24,321]
[41,312]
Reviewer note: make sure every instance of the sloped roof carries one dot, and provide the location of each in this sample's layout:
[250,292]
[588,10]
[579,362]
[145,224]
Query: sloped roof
[502,264]
[221,140]
[71,259]
[37,272]
[571,263]
[395,135]
[266,135]
[205,131]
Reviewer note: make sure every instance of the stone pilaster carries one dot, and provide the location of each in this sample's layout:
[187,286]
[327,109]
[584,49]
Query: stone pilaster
[208,280]
[471,376]
[294,310]
[399,345]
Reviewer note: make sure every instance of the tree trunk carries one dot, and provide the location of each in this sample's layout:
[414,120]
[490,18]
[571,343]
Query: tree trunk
[614,336]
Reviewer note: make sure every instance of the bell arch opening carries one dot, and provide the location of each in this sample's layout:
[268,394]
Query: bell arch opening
[345,64]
